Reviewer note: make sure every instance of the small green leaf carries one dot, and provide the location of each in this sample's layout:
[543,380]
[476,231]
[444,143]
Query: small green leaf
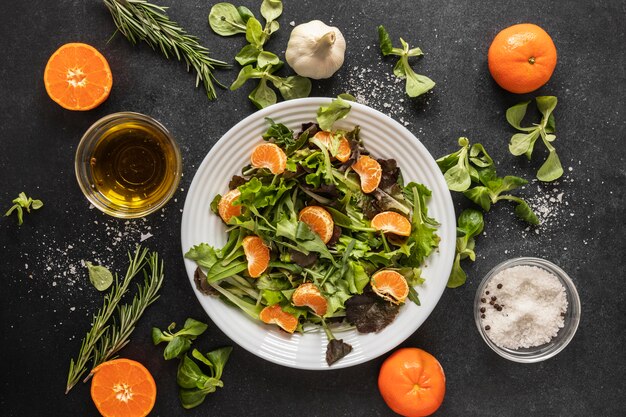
[457,276]
[218,358]
[271,9]
[244,13]
[551,168]
[245,74]
[190,398]
[479,156]
[226,20]
[100,277]
[471,222]
[219,272]
[458,178]
[546,105]
[479,195]
[248,55]
[158,336]
[399,69]
[266,58]
[254,33]
[37,204]
[524,212]
[417,84]
[192,328]
[511,182]
[515,114]
[176,347]
[262,96]
[523,143]
[188,373]
[337,109]
[384,40]
[294,86]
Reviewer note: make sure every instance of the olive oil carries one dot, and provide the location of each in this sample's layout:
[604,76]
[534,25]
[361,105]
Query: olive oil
[134,165]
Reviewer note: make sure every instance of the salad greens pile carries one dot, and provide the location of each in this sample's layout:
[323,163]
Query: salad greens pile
[524,143]
[342,268]
[226,20]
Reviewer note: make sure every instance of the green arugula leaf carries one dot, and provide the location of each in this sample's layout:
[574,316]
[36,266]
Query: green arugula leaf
[337,109]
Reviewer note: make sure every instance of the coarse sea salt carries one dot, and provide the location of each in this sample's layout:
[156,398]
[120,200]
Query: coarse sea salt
[522,307]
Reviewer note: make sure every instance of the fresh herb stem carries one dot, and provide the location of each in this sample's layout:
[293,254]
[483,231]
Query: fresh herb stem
[116,337]
[139,20]
[99,323]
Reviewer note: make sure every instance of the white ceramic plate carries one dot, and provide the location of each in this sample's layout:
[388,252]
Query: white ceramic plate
[385,138]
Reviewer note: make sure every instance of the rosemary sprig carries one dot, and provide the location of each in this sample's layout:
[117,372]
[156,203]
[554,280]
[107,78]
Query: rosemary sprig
[100,319]
[139,20]
[117,336]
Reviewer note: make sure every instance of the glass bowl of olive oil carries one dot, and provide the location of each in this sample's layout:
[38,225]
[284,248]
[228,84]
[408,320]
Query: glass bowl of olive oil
[128,165]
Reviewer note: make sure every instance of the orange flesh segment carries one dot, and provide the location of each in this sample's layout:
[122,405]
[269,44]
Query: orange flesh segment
[392,222]
[257,255]
[319,220]
[308,295]
[344,151]
[226,208]
[275,315]
[390,285]
[370,173]
[270,156]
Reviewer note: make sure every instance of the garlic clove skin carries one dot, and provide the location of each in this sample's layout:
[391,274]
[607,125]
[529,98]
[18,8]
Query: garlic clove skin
[315,50]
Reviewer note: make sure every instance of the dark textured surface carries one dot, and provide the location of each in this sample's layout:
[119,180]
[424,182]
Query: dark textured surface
[47,301]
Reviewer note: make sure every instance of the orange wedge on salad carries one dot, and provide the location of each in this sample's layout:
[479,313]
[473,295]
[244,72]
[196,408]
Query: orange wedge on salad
[270,156]
[308,295]
[275,315]
[390,285]
[392,222]
[319,220]
[257,255]
[370,173]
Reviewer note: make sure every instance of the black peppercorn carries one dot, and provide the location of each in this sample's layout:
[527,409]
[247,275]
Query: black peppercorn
[482,309]
[499,286]
[487,327]
[482,316]
[482,300]
[487,292]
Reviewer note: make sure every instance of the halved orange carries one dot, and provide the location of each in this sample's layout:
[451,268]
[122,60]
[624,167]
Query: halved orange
[275,315]
[392,222]
[257,255]
[78,77]
[226,208]
[270,156]
[390,285]
[344,151]
[308,295]
[370,173]
[319,220]
[123,387]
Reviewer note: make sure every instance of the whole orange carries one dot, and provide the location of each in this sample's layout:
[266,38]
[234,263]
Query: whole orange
[412,382]
[522,58]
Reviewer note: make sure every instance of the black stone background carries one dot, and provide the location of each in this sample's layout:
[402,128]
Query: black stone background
[45,313]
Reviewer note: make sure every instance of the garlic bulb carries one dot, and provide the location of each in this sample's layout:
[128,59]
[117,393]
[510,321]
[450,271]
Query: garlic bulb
[315,50]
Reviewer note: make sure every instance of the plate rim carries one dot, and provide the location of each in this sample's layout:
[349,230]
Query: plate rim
[190,266]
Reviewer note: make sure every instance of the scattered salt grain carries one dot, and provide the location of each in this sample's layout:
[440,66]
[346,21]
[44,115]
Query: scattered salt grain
[523,306]
[145,236]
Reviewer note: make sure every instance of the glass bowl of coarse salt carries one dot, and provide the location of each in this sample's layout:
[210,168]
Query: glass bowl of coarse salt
[527,309]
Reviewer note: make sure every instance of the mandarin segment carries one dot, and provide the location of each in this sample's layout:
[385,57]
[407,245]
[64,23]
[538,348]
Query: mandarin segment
[123,387]
[226,208]
[343,152]
[522,58]
[257,255]
[370,173]
[270,156]
[275,315]
[319,220]
[392,222]
[390,285]
[308,295]
[78,77]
